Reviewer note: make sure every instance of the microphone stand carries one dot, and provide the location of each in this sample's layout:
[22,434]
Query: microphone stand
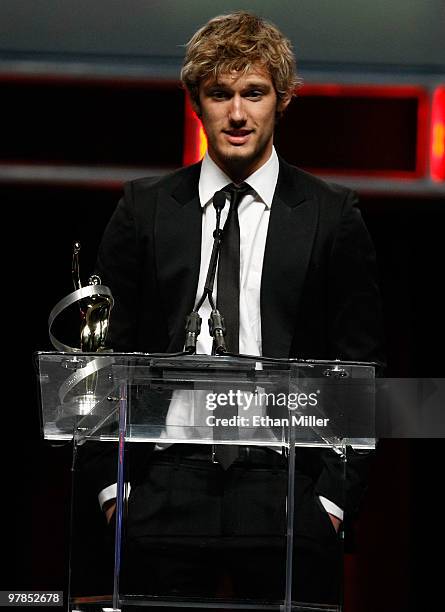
[216,321]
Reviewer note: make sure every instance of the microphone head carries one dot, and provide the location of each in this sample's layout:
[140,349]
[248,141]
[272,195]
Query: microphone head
[219,200]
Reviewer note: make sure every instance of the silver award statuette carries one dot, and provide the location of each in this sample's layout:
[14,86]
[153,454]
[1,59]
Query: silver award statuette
[79,394]
[94,309]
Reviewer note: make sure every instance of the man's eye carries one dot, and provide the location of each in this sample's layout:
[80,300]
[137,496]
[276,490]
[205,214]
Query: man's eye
[219,95]
[254,94]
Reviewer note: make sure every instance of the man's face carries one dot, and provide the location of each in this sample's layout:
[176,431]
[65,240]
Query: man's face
[238,113]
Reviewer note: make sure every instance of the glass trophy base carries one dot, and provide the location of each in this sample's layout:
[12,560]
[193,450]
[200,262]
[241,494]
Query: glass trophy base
[80,405]
[87,410]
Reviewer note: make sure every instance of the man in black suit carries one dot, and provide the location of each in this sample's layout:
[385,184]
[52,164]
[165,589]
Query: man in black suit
[307,289]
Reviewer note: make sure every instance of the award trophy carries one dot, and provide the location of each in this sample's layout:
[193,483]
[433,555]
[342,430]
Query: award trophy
[78,394]
[94,309]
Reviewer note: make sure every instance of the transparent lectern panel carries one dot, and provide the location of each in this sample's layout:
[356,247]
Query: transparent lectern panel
[331,404]
[77,394]
[199,530]
[203,401]
[196,532]
[92,538]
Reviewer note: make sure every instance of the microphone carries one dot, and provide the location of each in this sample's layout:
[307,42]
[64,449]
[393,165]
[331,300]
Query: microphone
[217,329]
[219,201]
[193,322]
[192,331]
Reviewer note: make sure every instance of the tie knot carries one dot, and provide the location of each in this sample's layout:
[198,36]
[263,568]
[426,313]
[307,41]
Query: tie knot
[237,192]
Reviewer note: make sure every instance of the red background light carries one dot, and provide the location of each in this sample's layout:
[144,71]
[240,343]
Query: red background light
[437,160]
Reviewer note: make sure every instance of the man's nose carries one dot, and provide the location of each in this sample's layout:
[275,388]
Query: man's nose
[237,113]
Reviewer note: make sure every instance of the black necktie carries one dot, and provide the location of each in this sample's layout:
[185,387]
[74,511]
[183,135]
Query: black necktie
[229,268]
[228,305]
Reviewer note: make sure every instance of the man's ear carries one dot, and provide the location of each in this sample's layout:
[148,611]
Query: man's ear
[284,102]
[196,106]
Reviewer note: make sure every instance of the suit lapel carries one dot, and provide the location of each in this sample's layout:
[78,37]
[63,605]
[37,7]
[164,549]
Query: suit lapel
[178,251]
[292,226]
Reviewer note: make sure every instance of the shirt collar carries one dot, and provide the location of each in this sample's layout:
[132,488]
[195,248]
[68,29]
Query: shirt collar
[263,181]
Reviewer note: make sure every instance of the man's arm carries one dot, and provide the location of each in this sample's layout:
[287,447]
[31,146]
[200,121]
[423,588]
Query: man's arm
[118,267]
[356,334]
[354,303]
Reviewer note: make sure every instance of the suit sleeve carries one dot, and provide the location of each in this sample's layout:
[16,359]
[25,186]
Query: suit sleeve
[118,267]
[356,334]
[355,330]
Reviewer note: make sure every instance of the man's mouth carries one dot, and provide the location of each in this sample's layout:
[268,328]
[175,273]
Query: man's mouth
[237,136]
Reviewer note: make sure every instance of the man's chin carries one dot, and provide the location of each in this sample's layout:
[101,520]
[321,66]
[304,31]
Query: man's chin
[238,157]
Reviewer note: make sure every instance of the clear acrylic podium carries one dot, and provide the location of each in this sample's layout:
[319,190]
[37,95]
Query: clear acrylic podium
[281,418]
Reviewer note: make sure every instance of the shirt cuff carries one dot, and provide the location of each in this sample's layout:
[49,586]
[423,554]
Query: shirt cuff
[331,508]
[111,493]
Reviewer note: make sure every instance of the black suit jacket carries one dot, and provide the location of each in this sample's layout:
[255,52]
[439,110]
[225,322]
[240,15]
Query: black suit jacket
[319,295]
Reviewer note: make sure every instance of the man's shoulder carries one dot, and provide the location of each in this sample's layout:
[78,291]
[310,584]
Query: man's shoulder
[170,181]
[310,186]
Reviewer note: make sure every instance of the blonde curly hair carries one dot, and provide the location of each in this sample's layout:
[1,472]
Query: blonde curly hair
[236,42]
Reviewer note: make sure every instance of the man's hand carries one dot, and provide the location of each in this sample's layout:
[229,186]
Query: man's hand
[336,522]
[109,508]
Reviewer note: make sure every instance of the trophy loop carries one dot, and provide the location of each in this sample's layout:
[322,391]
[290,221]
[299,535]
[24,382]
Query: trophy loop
[95,302]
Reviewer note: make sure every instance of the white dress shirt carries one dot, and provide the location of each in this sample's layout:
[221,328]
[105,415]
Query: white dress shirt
[253,214]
